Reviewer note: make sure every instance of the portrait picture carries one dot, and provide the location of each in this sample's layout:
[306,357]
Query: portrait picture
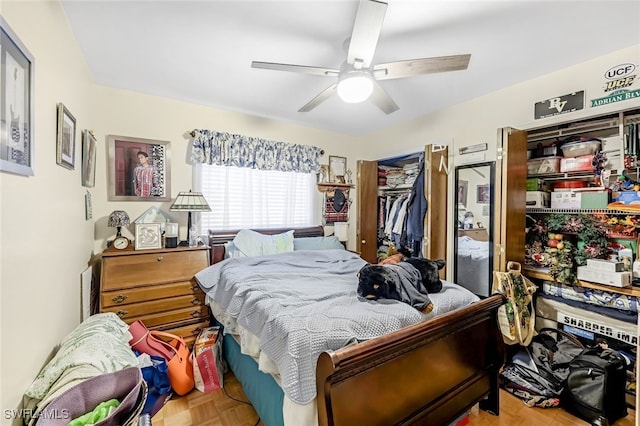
[138,169]
[66,138]
[483,195]
[462,192]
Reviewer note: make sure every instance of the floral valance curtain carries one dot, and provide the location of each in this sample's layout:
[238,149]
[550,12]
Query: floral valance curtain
[226,149]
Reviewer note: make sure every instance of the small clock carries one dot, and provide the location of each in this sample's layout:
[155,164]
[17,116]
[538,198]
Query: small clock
[121,243]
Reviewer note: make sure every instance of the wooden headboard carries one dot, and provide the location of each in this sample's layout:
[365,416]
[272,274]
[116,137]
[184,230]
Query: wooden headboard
[217,239]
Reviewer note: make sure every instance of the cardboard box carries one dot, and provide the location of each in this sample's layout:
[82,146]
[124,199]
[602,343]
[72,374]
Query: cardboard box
[615,279]
[538,199]
[566,200]
[594,200]
[576,164]
[541,166]
[605,265]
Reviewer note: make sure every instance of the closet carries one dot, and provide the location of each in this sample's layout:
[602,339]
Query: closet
[385,184]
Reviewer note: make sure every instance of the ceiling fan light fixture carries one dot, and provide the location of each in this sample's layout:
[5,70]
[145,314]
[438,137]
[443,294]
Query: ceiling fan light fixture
[355,87]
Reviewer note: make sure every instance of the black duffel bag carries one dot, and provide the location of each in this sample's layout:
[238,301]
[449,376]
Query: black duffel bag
[595,389]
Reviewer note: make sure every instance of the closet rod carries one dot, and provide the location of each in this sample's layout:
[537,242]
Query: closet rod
[193,135]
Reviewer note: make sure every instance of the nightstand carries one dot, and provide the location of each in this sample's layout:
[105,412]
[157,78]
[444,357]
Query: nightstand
[156,286]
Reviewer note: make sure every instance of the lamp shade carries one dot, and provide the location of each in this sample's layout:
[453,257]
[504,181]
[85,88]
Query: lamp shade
[341,230]
[190,202]
[118,218]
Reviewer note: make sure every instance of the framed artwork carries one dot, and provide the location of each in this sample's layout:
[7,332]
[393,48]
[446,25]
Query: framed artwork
[88,208]
[483,196]
[88,159]
[17,143]
[462,192]
[139,169]
[148,236]
[66,138]
[337,167]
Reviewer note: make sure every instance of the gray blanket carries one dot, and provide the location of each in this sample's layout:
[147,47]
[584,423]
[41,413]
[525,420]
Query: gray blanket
[300,304]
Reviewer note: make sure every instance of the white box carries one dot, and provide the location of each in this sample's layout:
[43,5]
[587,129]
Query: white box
[615,279]
[537,199]
[566,200]
[605,265]
[611,144]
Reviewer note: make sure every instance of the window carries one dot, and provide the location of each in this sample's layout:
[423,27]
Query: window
[250,198]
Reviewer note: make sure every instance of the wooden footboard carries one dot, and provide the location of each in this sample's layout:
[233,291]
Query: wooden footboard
[427,373]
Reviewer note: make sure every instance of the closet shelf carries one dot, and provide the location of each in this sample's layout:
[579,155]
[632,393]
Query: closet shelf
[542,274]
[579,211]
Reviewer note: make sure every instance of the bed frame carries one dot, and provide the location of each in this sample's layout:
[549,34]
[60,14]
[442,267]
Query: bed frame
[428,373]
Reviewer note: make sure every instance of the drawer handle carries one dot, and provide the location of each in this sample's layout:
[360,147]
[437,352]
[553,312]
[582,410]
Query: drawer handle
[195,301]
[195,287]
[160,258]
[196,313]
[119,298]
[122,313]
[196,331]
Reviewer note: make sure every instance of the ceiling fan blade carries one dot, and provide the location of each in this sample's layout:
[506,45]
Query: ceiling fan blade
[382,99]
[323,96]
[296,68]
[412,67]
[366,31]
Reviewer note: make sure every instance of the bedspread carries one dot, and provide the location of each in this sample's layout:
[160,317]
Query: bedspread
[300,304]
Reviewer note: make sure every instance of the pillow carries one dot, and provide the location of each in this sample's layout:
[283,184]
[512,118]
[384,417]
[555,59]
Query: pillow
[230,250]
[252,243]
[317,243]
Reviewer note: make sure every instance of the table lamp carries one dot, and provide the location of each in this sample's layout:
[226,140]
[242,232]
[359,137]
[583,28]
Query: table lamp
[190,202]
[341,231]
[118,219]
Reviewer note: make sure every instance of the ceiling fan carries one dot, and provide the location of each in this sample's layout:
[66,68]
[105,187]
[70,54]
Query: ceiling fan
[357,79]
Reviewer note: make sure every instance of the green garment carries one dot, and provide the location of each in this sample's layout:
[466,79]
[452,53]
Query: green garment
[99,413]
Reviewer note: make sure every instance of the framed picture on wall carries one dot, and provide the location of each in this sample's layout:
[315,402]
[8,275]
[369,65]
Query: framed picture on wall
[17,144]
[66,138]
[483,196]
[337,168]
[88,159]
[139,169]
[462,192]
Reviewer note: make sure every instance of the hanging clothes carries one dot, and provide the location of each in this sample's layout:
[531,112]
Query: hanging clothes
[416,211]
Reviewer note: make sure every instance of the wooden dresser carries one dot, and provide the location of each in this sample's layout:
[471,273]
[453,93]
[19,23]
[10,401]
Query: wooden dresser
[156,286]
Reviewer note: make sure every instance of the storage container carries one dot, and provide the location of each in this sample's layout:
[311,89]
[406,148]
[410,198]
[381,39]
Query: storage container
[576,164]
[546,151]
[578,148]
[594,200]
[537,199]
[534,184]
[566,200]
[568,185]
[626,197]
[541,166]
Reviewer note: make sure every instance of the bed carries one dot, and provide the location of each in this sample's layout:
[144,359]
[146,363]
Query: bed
[473,265]
[423,371]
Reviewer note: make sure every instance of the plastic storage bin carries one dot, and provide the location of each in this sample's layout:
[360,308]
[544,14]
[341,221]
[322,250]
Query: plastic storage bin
[579,148]
[541,166]
[576,164]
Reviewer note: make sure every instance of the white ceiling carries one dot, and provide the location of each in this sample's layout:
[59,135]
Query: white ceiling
[201,51]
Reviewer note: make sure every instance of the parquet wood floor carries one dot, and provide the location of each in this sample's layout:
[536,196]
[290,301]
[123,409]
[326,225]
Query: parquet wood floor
[216,409]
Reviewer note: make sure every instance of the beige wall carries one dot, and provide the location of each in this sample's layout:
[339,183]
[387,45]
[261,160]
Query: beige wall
[45,242]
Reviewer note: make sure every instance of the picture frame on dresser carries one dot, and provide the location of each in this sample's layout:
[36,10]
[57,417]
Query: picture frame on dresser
[139,169]
[17,143]
[148,236]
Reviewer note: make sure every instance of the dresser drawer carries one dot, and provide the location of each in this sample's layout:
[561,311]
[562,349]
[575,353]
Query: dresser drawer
[152,292]
[136,269]
[131,310]
[184,315]
[186,331]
